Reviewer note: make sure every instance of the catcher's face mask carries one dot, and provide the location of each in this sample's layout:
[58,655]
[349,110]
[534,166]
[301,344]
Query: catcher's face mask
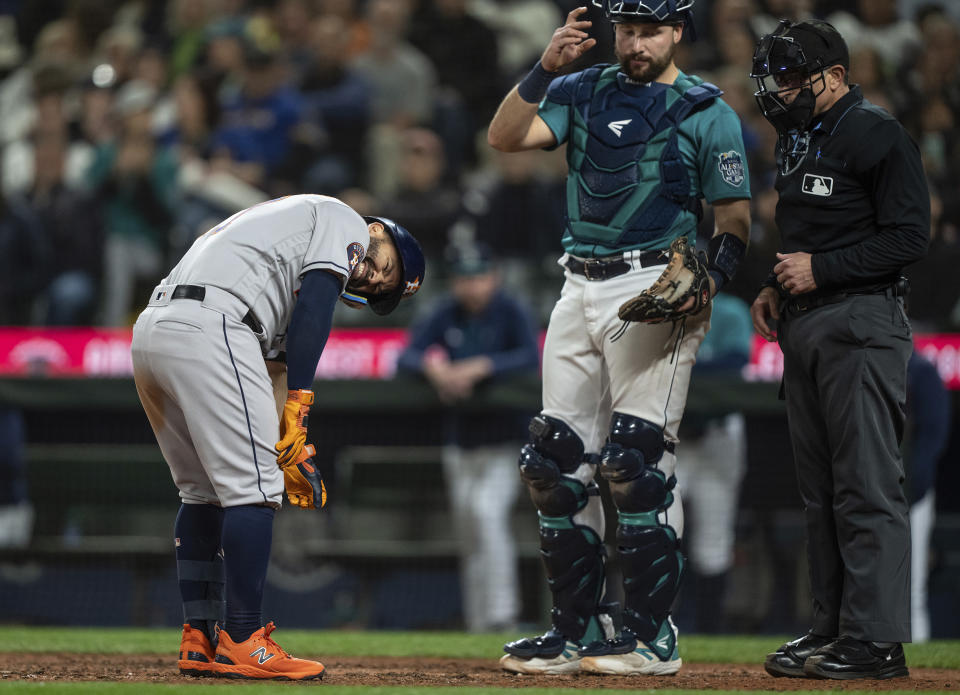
[788,82]
[788,67]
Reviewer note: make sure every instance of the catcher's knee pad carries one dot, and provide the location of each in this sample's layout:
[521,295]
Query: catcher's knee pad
[628,462]
[650,556]
[554,449]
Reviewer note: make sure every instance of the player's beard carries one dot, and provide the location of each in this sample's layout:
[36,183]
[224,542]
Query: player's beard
[651,71]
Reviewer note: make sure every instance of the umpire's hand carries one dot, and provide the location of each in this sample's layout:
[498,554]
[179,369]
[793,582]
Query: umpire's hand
[765,307]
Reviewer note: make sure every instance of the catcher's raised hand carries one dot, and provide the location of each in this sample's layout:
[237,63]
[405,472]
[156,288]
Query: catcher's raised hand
[569,42]
[302,481]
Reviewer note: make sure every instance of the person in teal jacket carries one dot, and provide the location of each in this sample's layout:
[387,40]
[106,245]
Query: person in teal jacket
[644,144]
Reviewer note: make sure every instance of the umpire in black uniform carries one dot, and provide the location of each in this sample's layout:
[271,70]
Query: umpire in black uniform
[853,210]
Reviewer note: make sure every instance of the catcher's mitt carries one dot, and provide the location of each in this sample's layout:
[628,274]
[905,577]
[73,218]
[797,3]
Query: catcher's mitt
[684,277]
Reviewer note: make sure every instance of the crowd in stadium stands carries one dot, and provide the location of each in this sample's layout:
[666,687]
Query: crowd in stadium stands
[128,127]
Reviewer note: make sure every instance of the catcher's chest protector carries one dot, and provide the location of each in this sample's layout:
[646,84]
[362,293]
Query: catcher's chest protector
[627,180]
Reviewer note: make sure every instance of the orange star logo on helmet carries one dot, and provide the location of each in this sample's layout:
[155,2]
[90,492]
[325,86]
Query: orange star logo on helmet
[411,287]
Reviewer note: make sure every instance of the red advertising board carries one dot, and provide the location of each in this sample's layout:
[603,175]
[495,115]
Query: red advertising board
[350,354]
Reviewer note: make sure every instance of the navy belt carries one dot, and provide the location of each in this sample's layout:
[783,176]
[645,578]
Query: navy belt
[198,292]
[606,268]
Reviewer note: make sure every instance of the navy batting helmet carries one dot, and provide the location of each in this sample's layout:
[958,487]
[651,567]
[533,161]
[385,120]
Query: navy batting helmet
[412,267]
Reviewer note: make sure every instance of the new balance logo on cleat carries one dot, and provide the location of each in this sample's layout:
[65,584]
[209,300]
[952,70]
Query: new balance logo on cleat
[261,654]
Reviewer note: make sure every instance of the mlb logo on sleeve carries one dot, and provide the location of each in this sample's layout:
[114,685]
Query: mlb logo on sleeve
[815,184]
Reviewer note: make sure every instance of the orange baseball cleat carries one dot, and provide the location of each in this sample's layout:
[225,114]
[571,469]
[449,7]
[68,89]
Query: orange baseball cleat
[196,653]
[260,657]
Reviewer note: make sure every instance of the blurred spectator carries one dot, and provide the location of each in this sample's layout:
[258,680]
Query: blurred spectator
[16,512]
[135,182]
[292,20]
[51,83]
[425,199]
[336,98]
[401,77]
[476,335]
[516,207]
[457,43]
[184,27]
[119,47]
[877,24]
[71,222]
[24,259]
[711,463]
[522,27]
[257,119]
[931,104]
[928,432]
[55,58]
[358,29]
[402,85]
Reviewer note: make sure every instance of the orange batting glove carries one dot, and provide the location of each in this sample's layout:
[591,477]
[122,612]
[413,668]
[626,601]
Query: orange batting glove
[302,481]
[293,426]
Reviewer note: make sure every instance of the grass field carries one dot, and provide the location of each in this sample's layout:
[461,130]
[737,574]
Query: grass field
[696,649]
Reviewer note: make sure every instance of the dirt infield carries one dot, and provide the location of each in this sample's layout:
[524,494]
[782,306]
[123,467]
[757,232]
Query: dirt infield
[386,671]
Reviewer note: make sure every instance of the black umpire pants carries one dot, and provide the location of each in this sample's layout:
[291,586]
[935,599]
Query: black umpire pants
[845,370]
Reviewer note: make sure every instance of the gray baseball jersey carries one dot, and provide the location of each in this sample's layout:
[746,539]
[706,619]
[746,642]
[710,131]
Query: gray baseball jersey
[199,368]
[260,254]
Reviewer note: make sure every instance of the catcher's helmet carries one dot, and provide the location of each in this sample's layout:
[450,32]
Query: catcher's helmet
[653,11]
[412,267]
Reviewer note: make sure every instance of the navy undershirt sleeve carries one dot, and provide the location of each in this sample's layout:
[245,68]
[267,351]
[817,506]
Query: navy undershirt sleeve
[310,326]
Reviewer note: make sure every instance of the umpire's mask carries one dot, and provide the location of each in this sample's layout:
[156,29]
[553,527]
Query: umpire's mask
[788,67]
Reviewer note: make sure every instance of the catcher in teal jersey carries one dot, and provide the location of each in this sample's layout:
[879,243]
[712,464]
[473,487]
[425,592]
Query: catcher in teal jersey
[645,143]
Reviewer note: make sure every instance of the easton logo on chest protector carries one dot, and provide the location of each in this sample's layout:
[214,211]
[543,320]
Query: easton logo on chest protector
[617,126]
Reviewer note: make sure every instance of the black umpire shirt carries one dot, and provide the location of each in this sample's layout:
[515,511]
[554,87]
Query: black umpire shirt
[858,201]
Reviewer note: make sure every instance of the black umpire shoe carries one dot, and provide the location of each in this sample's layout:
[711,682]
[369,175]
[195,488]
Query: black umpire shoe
[788,660]
[849,658]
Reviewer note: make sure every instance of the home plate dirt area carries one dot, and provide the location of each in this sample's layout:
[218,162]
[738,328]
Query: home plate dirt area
[386,671]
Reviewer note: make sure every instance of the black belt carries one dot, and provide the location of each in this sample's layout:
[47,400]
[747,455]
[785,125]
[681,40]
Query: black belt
[606,268]
[900,288]
[198,292]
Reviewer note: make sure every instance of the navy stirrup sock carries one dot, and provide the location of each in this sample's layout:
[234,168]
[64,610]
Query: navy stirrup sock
[200,566]
[247,537]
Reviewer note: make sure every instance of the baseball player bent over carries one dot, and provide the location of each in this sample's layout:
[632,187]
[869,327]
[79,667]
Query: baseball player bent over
[644,143]
[259,286]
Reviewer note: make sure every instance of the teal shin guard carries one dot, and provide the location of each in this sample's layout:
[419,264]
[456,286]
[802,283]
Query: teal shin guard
[652,567]
[573,557]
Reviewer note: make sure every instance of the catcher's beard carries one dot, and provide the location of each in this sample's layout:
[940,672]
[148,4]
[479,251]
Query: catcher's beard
[653,69]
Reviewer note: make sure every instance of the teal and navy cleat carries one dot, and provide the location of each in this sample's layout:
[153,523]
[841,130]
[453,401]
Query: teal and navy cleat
[549,653]
[625,655]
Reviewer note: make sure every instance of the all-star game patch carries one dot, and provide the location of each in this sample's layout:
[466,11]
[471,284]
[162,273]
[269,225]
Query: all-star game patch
[731,167]
[355,254]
